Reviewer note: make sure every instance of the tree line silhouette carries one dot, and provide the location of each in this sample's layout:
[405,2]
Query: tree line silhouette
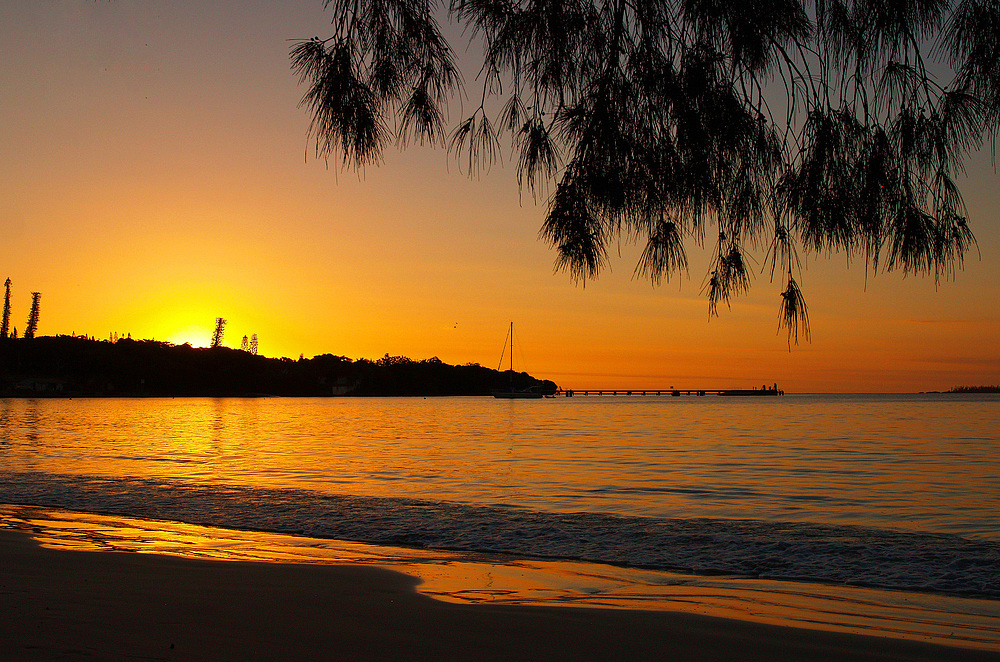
[79,366]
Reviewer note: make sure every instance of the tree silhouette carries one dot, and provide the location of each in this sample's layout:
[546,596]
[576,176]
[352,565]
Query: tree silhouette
[773,126]
[220,329]
[29,330]
[5,324]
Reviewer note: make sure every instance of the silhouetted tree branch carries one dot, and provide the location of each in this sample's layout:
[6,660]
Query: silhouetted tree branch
[830,125]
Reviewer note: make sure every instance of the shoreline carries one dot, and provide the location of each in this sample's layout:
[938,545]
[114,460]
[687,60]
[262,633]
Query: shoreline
[377,601]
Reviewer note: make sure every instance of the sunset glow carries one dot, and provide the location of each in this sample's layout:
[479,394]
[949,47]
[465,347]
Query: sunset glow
[157,175]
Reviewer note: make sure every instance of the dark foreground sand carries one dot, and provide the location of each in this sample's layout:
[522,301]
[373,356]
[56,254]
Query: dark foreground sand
[65,605]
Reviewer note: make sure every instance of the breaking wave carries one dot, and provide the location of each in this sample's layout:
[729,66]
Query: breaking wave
[743,547]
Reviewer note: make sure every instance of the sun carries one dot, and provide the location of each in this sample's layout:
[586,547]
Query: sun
[196,336]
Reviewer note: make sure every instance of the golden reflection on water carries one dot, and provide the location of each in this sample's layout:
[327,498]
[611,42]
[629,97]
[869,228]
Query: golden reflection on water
[914,463]
[477,579]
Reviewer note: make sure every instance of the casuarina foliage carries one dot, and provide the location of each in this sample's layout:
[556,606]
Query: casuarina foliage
[768,127]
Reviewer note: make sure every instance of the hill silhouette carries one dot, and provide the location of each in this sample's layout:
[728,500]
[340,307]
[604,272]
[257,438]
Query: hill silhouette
[73,366]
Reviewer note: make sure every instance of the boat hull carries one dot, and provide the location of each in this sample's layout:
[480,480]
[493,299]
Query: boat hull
[517,395]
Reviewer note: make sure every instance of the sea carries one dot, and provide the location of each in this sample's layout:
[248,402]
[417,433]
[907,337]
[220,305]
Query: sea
[894,492]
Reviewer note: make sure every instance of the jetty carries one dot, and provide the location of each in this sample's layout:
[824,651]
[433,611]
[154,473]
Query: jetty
[674,392]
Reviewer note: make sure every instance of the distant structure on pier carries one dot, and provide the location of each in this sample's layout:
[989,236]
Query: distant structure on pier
[220,329]
[29,331]
[253,344]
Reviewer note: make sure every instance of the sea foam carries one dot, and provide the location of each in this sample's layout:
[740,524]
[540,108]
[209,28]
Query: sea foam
[742,547]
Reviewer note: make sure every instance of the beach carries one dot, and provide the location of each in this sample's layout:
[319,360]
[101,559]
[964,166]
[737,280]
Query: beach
[75,605]
[840,528]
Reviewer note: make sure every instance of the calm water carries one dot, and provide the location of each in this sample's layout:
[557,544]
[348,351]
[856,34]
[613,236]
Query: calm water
[899,491]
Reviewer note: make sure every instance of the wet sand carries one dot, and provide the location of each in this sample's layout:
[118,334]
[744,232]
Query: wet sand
[75,605]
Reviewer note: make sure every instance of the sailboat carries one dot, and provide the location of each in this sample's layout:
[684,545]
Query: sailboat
[514,393]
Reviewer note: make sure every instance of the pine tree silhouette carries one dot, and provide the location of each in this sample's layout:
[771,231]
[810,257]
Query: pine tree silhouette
[220,329]
[29,331]
[5,325]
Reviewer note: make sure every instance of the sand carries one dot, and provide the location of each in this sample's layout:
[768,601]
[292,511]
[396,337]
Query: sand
[73,605]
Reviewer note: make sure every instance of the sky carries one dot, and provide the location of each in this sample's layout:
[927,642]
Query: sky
[156,174]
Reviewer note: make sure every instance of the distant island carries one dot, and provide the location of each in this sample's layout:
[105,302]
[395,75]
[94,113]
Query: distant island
[67,366]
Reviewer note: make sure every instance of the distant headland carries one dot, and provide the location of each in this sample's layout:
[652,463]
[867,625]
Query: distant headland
[975,389]
[68,366]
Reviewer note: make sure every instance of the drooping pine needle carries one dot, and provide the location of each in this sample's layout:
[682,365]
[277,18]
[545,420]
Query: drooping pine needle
[793,314]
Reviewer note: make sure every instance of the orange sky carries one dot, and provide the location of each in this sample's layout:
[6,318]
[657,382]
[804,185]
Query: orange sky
[156,175]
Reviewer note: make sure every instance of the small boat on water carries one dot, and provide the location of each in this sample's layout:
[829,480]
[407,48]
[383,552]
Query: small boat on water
[512,393]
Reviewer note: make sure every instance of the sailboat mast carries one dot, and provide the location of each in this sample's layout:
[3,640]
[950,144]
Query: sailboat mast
[512,350]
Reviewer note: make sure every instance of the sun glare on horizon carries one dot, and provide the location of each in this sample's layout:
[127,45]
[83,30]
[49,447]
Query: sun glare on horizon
[195,336]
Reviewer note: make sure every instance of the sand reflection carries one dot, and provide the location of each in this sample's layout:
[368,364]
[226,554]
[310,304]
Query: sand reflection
[475,578]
